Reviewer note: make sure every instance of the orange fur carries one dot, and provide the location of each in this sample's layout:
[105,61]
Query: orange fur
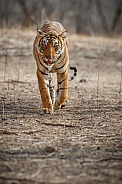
[51,54]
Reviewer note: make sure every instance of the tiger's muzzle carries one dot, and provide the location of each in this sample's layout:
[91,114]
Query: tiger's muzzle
[48,62]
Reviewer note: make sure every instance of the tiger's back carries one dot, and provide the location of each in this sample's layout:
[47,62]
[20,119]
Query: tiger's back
[52,27]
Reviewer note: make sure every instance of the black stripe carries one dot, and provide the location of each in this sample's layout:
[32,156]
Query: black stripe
[41,64]
[75,73]
[62,88]
[59,58]
[62,59]
[59,83]
[52,26]
[44,66]
[58,26]
[42,89]
[60,67]
[64,71]
[73,68]
[50,36]
[42,72]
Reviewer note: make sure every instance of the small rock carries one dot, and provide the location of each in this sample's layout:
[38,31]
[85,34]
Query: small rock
[83,81]
[49,149]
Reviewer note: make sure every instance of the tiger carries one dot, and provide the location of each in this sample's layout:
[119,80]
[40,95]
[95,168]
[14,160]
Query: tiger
[50,50]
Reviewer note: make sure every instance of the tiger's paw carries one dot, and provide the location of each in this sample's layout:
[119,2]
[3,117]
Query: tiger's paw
[64,104]
[59,106]
[47,111]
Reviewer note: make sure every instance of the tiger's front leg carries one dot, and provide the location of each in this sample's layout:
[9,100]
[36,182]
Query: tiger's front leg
[62,90]
[47,106]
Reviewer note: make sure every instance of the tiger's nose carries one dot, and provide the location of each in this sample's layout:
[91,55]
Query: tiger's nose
[48,57]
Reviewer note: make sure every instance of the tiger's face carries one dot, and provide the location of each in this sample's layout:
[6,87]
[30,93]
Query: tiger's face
[51,47]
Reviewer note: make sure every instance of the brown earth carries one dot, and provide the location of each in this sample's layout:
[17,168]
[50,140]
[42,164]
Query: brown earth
[79,144]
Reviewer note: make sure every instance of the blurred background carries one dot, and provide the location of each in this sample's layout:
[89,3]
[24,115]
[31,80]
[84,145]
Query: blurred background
[92,17]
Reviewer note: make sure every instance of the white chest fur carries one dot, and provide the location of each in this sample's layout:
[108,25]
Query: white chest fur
[50,67]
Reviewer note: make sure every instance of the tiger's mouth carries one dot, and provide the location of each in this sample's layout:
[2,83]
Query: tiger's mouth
[49,62]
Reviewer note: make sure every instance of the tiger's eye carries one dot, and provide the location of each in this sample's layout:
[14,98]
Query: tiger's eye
[56,46]
[43,46]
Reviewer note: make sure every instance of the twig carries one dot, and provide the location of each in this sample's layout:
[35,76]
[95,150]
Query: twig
[58,124]
[96,124]
[2,131]
[15,81]
[110,158]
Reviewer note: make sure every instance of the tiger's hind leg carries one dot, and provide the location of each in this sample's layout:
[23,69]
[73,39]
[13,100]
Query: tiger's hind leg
[58,94]
[62,90]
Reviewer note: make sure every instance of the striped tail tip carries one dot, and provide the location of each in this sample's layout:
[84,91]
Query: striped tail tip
[75,73]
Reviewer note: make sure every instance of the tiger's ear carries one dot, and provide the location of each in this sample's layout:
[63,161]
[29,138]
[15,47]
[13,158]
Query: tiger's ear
[40,32]
[63,34]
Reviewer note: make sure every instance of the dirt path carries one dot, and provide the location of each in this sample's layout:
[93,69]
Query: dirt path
[81,143]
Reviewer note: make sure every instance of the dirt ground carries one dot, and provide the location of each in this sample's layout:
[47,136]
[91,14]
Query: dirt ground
[79,144]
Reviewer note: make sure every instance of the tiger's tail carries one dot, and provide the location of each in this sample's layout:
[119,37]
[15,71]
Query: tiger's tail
[74,75]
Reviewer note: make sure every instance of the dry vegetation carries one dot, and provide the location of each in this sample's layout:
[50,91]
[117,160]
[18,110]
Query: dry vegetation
[81,143]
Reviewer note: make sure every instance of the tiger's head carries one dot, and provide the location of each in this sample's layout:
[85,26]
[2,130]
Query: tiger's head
[51,46]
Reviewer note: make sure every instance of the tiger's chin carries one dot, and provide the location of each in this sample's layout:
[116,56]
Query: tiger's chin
[49,62]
